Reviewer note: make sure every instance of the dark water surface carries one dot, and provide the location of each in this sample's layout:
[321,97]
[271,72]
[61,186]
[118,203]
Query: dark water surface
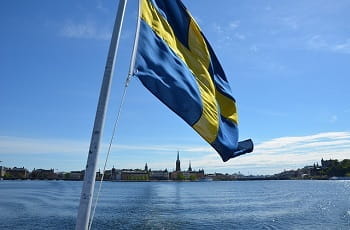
[182,205]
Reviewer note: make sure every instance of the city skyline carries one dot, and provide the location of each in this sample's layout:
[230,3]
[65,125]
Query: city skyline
[332,169]
[286,65]
[146,165]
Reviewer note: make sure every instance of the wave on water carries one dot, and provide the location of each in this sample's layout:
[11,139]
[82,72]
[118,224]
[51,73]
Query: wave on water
[247,205]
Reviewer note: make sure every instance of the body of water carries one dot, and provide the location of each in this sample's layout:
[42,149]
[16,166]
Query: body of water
[180,205]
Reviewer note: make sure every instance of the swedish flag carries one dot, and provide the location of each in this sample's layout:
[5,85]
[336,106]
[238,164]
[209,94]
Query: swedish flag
[176,63]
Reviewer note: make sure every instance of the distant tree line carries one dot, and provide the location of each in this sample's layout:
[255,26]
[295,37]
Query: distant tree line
[333,168]
[327,169]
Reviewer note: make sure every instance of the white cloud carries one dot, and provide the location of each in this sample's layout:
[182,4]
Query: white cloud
[343,47]
[234,25]
[86,30]
[163,148]
[317,42]
[240,36]
[22,145]
[218,28]
[227,32]
[277,154]
[269,156]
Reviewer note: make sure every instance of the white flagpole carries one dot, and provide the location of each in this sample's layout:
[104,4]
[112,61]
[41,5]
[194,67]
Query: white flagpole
[90,171]
[136,42]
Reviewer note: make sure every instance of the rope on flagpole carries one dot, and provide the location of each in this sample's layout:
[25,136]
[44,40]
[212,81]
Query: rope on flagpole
[109,149]
[84,210]
[128,79]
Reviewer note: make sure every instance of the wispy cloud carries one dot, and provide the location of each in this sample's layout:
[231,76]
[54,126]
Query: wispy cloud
[23,145]
[164,148]
[234,24]
[270,156]
[228,32]
[343,47]
[227,28]
[85,30]
[291,22]
[278,154]
[317,42]
[239,36]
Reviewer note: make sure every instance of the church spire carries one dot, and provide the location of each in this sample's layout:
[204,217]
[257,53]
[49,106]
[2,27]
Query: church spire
[178,168]
[189,167]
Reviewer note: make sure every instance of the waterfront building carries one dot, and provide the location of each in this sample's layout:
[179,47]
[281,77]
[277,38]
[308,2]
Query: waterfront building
[194,175]
[17,173]
[134,175]
[42,174]
[159,174]
[75,175]
[116,174]
[2,171]
[190,174]
[112,175]
[98,175]
[60,175]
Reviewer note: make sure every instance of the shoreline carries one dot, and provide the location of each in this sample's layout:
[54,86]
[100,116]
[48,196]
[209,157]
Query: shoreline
[239,179]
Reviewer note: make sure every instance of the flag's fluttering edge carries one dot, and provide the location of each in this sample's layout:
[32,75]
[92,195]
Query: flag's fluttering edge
[176,63]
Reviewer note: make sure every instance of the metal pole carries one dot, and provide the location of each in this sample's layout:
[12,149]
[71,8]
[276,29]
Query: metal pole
[136,43]
[90,171]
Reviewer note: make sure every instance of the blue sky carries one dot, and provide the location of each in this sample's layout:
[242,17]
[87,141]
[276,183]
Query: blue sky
[287,63]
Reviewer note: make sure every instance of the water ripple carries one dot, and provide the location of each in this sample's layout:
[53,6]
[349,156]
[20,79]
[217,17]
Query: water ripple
[166,205]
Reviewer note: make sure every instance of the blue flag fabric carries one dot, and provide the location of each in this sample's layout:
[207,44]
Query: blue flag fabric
[177,64]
